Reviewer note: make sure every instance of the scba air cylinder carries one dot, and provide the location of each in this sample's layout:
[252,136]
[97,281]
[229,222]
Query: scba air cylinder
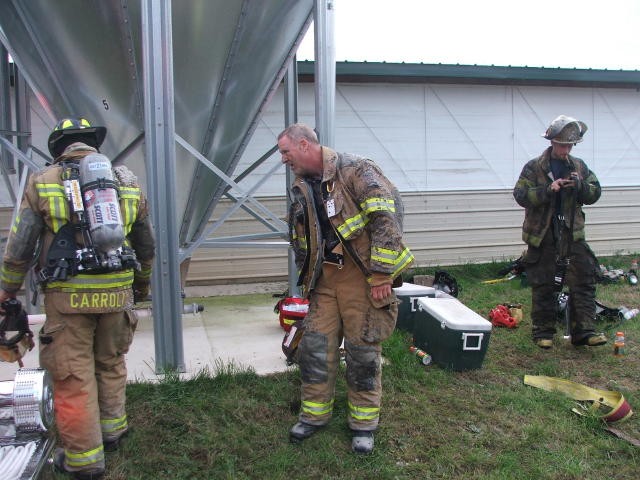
[100,196]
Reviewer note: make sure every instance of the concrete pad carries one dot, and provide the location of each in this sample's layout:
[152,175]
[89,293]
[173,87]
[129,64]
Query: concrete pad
[238,330]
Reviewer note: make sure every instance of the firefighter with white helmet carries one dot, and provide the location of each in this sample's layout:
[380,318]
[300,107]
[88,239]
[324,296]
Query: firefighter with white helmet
[565,130]
[88,224]
[552,188]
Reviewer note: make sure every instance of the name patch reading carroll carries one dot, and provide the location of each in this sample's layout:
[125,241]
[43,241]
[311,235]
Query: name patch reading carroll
[97,300]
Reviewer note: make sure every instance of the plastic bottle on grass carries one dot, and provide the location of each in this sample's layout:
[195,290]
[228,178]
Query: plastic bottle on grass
[423,356]
[628,314]
[618,344]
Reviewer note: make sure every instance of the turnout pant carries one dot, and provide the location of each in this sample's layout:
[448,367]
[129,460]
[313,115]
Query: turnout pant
[580,278]
[340,309]
[84,354]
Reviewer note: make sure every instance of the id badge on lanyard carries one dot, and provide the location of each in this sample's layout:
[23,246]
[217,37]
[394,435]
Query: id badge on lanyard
[331,207]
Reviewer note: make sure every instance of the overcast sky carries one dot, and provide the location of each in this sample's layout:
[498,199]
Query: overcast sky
[540,33]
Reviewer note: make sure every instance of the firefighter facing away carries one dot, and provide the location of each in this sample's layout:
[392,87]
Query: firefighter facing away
[552,188]
[89,227]
[346,234]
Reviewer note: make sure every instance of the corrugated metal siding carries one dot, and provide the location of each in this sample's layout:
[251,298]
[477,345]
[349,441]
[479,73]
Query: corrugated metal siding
[5,223]
[441,228]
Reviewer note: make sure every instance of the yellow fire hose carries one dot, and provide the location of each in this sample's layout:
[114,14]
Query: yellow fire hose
[612,403]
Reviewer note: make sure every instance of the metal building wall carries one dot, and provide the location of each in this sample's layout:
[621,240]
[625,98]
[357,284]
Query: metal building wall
[455,152]
[432,137]
[441,228]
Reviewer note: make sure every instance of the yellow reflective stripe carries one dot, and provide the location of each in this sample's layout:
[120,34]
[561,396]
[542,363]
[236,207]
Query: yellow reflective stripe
[131,200]
[315,408]
[363,413]
[352,225]
[50,190]
[361,219]
[376,204]
[302,240]
[144,272]
[403,261]
[384,255]
[131,197]
[110,425]
[85,458]
[391,257]
[129,192]
[129,214]
[87,281]
[11,276]
[14,227]
[57,203]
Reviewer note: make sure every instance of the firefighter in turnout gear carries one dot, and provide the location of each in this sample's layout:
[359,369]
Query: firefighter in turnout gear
[346,232]
[552,188]
[93,246]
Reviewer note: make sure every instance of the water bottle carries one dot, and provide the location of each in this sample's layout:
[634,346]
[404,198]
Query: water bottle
[628,314]
[618,344]
[632,276]
[423,356]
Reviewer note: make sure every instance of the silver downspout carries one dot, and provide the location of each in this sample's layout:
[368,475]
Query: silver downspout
[7,164]
[325,71]
[291,116]
[160,152]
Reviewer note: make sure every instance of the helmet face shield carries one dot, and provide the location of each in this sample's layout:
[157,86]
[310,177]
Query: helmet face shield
[565,130]
[71,130]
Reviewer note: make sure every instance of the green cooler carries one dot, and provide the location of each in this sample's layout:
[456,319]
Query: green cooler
[455,336]
[408,295]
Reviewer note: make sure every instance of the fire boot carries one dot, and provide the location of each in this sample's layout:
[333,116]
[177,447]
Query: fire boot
[362,441]
[60,466]
[301,431]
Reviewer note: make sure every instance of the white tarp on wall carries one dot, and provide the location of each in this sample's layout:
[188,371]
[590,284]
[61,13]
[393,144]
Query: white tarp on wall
[465,137]
[454,137]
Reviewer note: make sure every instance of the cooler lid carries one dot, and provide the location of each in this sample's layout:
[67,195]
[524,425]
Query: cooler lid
[411,289]
[453,314]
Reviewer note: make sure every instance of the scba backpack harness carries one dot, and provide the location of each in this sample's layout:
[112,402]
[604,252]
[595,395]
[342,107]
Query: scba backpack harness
[93,197]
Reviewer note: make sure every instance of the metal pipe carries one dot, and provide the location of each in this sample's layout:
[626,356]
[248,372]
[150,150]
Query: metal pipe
[144,312]
[160,154]
[325,72]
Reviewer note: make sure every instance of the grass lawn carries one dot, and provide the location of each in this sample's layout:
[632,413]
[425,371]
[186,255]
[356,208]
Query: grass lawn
[435,424]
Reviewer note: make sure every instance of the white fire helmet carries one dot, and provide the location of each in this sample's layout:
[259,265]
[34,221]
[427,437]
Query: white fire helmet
[565,130]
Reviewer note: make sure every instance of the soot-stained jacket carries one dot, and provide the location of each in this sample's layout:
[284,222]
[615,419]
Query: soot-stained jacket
[364,209]
[533,192]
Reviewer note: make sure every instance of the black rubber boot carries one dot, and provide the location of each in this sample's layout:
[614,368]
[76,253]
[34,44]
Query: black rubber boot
[301,431]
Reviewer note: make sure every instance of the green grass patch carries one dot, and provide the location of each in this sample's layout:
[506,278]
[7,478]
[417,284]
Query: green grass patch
[481,424]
